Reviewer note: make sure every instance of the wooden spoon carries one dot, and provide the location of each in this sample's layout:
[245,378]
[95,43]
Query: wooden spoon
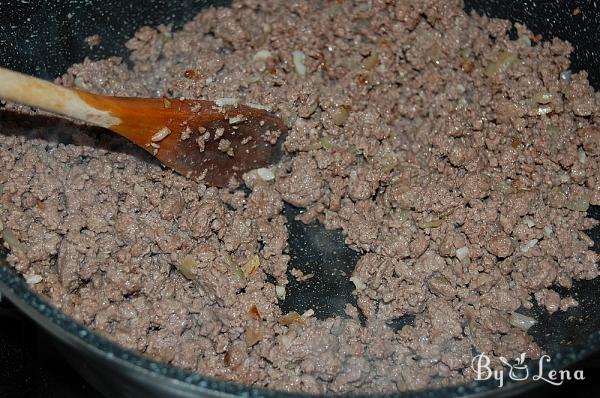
[197,138]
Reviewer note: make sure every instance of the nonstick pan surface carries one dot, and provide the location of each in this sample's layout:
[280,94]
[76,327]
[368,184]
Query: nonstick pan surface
[45,37]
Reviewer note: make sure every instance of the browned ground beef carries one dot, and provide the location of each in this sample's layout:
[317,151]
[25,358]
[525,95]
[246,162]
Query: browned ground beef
[459,163]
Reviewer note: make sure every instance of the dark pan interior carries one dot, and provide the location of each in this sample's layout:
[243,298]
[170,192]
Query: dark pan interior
[44,37]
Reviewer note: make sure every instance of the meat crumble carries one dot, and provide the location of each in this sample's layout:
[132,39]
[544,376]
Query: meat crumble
[460,163]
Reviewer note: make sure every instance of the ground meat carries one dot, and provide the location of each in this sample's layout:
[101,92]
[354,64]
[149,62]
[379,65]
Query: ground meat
[457,161]
[500,245]
[93,40]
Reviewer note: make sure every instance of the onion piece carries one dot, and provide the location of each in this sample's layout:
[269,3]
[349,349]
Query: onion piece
[188,266]
[524,41]
[566,75]
[521,321]
[529,245]
[298,58]
[581,155]
[501,64]
[227,101]
[462,254]
[262,55]
[280,292]
[265,174]
[340,116]
[251,265]
[435,222]
[237,119]
[543,98]
[253,335]
[33,279]
[291,318]
[254,313]
[161,134]
[358,283]
[579,204]
[286,340]
[543,110]
[11,242]
[371,61]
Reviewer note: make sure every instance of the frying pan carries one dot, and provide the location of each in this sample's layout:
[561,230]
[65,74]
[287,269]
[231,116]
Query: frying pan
[44,37]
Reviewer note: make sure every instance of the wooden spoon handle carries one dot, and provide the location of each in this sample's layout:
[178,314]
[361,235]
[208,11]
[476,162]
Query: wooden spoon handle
[38,93]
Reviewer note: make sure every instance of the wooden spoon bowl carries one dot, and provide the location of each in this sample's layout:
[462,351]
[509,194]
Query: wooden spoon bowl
[217,141]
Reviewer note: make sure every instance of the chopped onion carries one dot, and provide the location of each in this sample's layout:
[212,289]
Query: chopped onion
[188,266]
[308,313]
[323,143]
[227,101]
[543,98]
[265,174]
[521,321]
[80,84]
[11,242]
[287,339]
[238,272]
[463,253]
[581,155]
[358,283]
[524,41]
[298,59]
[326,143]
[566,75]
[501,65]
[543,110]
[290,318]
[289,118]
[548,230]
[529,245]
[253,335]
[340,115]
[254,313]
[33,279]
[435,222]
[161,134]
[262,55]
[371,61]
[579,204]
[280,292]
[530,223]
[251,265]
[237,119]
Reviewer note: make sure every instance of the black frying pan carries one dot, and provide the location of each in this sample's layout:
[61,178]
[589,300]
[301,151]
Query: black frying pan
[43,38]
